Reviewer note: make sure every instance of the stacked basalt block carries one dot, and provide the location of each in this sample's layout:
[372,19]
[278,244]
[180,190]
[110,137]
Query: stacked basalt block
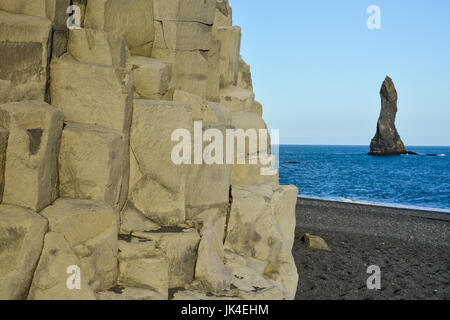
[86,175]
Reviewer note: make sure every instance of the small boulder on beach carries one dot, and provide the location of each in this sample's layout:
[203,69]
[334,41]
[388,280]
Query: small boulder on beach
[315,242]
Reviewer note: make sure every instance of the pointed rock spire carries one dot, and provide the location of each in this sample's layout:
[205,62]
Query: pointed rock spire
[387,140]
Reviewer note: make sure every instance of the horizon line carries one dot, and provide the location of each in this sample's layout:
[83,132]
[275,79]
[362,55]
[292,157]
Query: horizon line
[352,145]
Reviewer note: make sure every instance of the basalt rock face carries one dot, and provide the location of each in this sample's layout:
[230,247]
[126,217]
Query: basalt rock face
[387,140]
[88,185]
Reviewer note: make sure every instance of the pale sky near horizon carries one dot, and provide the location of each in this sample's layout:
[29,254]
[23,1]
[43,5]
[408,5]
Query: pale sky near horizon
[317,69]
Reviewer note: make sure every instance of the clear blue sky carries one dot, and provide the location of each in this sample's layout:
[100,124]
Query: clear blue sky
[317,69]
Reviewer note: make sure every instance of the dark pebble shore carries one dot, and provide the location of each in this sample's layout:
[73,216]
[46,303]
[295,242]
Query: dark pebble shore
[411,247]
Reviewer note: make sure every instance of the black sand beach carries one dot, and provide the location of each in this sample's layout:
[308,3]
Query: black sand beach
[411,247]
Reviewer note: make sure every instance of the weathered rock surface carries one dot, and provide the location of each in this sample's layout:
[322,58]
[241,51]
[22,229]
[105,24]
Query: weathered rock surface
[53,10]
[24,56]
[21,240]
[157,202]
[96,94]
[230,39]
[132,19]
[51,278]
[93,46]
[91,163]
[133,221]
[180,248]
[224,116]
[189,69]
[151,78]
[201,110]
[211,217]
[183,39]
[284,200]
[199,194]
[31,170]
[210,269]
[182,35]
[79,220]
[253,231]
[315,242]
[244,76]
[249,279]
[90,228]
[257,108]
[250,122]
[3,145]
[160,193]
[224,14]
[185,10]
[142,265]
[82,5]
[251,161]
[213,88]
[244,279]
[387,140]
[237,99]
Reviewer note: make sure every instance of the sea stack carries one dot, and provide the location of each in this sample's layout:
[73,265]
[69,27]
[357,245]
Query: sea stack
[387,140]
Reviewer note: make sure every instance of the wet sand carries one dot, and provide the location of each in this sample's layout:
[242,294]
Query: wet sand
[411,247]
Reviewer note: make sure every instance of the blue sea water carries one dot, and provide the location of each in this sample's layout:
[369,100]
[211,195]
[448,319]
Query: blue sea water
[347,173]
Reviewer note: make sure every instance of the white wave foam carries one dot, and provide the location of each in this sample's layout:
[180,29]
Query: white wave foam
[396,205]
[353,201]
[375,203]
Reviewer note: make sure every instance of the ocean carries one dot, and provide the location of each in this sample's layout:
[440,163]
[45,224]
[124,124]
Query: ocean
[347,173]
